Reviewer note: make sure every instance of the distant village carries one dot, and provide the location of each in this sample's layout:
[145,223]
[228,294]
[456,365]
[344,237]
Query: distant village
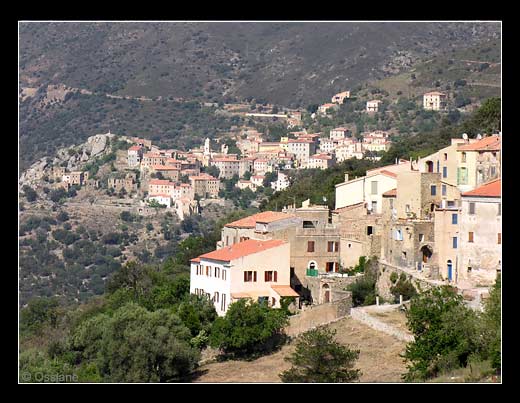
[436,219]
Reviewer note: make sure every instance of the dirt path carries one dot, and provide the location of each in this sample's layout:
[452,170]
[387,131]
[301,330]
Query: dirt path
[379,358]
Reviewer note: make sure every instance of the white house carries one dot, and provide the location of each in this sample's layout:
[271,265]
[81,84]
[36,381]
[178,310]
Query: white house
[253,269]
[373,106]
[164,199]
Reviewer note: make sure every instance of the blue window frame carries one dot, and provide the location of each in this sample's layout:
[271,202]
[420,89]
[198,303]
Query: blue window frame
[454,218]
[434,190]
[444,172]
[443,190]
[454,242]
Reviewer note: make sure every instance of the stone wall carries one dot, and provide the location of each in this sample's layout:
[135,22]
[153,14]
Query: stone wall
[318,315]
[384,284]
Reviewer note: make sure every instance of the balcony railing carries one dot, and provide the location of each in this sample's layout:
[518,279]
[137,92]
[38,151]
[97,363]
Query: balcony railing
[312,272]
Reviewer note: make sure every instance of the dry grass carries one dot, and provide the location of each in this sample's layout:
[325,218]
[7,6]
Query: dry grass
[379,359]
[394,318]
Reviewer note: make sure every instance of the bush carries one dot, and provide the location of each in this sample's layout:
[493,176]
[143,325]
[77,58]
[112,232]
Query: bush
[248,329]
[319,358]
[445,332]
[403,287]
[30,193]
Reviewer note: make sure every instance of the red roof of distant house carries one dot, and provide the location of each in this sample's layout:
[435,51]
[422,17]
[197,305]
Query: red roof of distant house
[390,193]
[165,168]
[135,148]
[490,189]
[264,217]
[321,157]
[490,143]
[241,249]
[388,173]
[349,207]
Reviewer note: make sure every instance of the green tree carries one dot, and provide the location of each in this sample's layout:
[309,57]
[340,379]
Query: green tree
[30,193]
[248,328]
[445,333]
[491,319]
[320,358]
[38,313]
[135,345]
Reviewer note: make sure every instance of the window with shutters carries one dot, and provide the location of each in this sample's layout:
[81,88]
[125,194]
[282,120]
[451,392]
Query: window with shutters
[223,274]
[444,172]
[499,240]
[472,208]
[373,187]
[454,219]
[248,276]
[215,297]
[223,303]
[217,272]
[443,190]
[310,246]
[433,190]
[330,246]
[454,239]
[470,236]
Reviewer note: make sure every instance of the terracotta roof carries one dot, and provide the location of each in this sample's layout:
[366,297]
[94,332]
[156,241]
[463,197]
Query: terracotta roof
[135,148]
[264,217]
[245,248]
[321,157]
[195,260]
[390,193]
[490,189]
[284,291]
[349,207]
[165,168]
[490,143]
[388,173]
[340,128]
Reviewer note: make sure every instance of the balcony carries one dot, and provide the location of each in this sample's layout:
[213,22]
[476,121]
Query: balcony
[312,273]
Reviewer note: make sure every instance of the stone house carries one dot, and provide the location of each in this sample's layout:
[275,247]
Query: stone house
[302,149]
[229,167]
[128,183]
[171,172]
[253,269]
[325,108]
[320,161]
[339,133]
[435,101]
[446,234]
[480,234]
[205,185]
[360,233]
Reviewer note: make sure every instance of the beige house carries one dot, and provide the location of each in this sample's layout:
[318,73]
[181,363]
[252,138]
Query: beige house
[302,149]
[339,133]
[324,109]
[171,172]
[478,162]
[243,184]
[480,232]
[253,269]
[435,101]
[320,161]
[373,106]
[340,97]
[229,167]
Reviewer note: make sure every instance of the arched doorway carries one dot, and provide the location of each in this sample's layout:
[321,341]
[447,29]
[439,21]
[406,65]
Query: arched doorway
[450,270]
[427,252]
[326,293]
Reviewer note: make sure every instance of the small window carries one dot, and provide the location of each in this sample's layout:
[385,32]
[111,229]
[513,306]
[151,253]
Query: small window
[463,157]
[223,274]
[391,203]
[470,237]
[469,269]
[336,246]
[216,297]
[499,209]
[454,242]
[472,208]
[310,246]
[407,209]
[268,276]
[370,230]
[223,303]
[433,190]
[248,276]
[444,172]
[443,190]
[421,237]
[217,272]
[454,219]
[445,156]
[499,240]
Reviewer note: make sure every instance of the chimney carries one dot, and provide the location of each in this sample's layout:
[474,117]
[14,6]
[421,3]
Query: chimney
[346,177]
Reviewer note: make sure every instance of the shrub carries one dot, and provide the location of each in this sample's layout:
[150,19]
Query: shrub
[319,358]
[445,333]
[249,328]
